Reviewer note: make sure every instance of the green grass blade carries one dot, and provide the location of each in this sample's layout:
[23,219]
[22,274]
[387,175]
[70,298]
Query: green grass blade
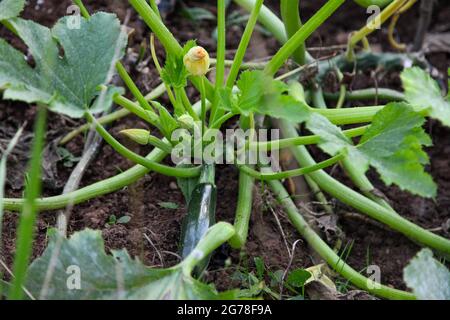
[27,221]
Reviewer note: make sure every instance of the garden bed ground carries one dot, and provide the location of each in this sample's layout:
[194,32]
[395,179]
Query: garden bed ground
[144,201]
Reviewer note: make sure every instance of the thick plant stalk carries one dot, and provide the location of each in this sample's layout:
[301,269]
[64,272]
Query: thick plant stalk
[89,192]
[267,18]
[94,190]
[116,115]
[363,183]
[301,35]
[217,235]
[220,61]
[363,204]
[243,44]
[303,140]
[292,22]
[328,254]
[359,179]
[245,193]
[243,211]
[378,94]
[167,39]
[163,169]
[263,176]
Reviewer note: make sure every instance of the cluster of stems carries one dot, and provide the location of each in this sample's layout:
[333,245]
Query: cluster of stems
[292,34]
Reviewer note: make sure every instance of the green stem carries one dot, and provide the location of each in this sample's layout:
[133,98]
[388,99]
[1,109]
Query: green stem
[155,8]
[292,23]
[167,39]
[301,35]
[318,194]
[349,115]
[363,183]
[220,61]
[243,44]
[302,140]
[155,93]
[217,235]
[92,191]
[342,94]
[203,99]
[154,166]
[244,65]
[238,59]
[243,211]
[25,231]
[328,254]
[132,86]
[179,105]
[221,43]
[160,144]
[219,122]
[379,94]
[84,12]
[363,204]
[187,104]
[369,27]
[267,18]
[290,173]
[137,110]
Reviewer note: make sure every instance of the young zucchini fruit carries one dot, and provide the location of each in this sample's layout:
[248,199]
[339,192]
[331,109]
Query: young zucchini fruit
[201,213]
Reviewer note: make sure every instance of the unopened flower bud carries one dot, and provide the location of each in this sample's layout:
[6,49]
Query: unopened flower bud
[140,136]
[197,61]
[186,122]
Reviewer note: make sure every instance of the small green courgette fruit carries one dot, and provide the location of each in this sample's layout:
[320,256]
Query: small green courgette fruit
[201,213]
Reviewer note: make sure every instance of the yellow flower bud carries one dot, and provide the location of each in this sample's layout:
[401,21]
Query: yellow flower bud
[140,136]
[197,61]
[186,122]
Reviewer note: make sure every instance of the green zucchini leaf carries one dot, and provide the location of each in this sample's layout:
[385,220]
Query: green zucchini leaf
[392,145]
[423,92]
[174,72]
[259,93]
[71,64]
[168,123]
[11,8]
[428,278]
[187,185]
[78,268]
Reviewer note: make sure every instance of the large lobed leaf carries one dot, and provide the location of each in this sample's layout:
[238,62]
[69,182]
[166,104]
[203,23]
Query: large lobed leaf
[259,93]
[103,276]
[67,84]
[392,145]
[423,93]
[11,8]
[429,279]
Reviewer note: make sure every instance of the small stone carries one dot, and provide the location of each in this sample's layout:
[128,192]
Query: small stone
[173,186]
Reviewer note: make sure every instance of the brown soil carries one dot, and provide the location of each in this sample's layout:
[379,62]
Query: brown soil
[371,244]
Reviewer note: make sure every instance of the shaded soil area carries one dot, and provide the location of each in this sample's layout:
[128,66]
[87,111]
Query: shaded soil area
[153,231]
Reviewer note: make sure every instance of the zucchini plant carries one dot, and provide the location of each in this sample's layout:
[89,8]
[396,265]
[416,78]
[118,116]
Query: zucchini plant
[76,82]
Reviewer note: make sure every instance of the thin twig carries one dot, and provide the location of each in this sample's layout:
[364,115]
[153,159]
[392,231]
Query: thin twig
[291,260]
[156,249]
